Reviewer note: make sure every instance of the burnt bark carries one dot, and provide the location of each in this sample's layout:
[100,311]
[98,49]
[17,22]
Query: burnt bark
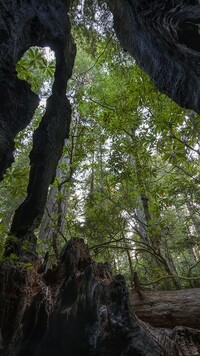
[163,37]
[168,309]
[24,24]
[79,308]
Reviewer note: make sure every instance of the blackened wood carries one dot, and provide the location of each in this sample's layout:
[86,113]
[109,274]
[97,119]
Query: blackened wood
[163,37]
[24,24]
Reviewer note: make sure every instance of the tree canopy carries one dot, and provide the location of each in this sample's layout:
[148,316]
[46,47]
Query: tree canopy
[128,180]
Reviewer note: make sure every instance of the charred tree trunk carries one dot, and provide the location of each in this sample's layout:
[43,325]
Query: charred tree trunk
[163,37]
[24,24]
[78,308]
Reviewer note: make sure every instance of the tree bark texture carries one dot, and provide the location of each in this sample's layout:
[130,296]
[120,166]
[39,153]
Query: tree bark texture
[168,309]
[78,308]
[24,24]
[163,37]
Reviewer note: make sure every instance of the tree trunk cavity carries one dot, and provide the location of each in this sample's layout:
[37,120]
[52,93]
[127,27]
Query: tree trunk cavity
[25,24]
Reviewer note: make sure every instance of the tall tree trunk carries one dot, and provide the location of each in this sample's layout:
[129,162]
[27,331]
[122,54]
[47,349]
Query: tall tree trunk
[53,222]
[151,233]
[194,218]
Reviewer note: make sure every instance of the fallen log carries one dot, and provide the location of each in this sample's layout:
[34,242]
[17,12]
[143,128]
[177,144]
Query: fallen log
[167,309]
[78,308]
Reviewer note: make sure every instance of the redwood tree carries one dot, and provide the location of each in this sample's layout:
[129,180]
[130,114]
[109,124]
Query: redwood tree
[78,307]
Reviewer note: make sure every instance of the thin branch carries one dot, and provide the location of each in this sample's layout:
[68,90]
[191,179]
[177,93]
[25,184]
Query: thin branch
[189,271]
[170,276]
[184,143]
[158,257]
[100,104]
[189,175]
[60,232]
[101,54]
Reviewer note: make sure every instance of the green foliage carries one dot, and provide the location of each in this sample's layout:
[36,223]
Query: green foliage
[139,144]
[37,67]
[128,179]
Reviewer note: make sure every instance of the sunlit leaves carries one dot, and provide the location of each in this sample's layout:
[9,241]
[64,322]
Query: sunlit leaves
[36,66]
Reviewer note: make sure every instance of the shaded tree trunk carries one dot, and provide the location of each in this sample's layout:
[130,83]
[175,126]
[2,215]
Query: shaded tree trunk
[193,217]
[151,234]
[53,222]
